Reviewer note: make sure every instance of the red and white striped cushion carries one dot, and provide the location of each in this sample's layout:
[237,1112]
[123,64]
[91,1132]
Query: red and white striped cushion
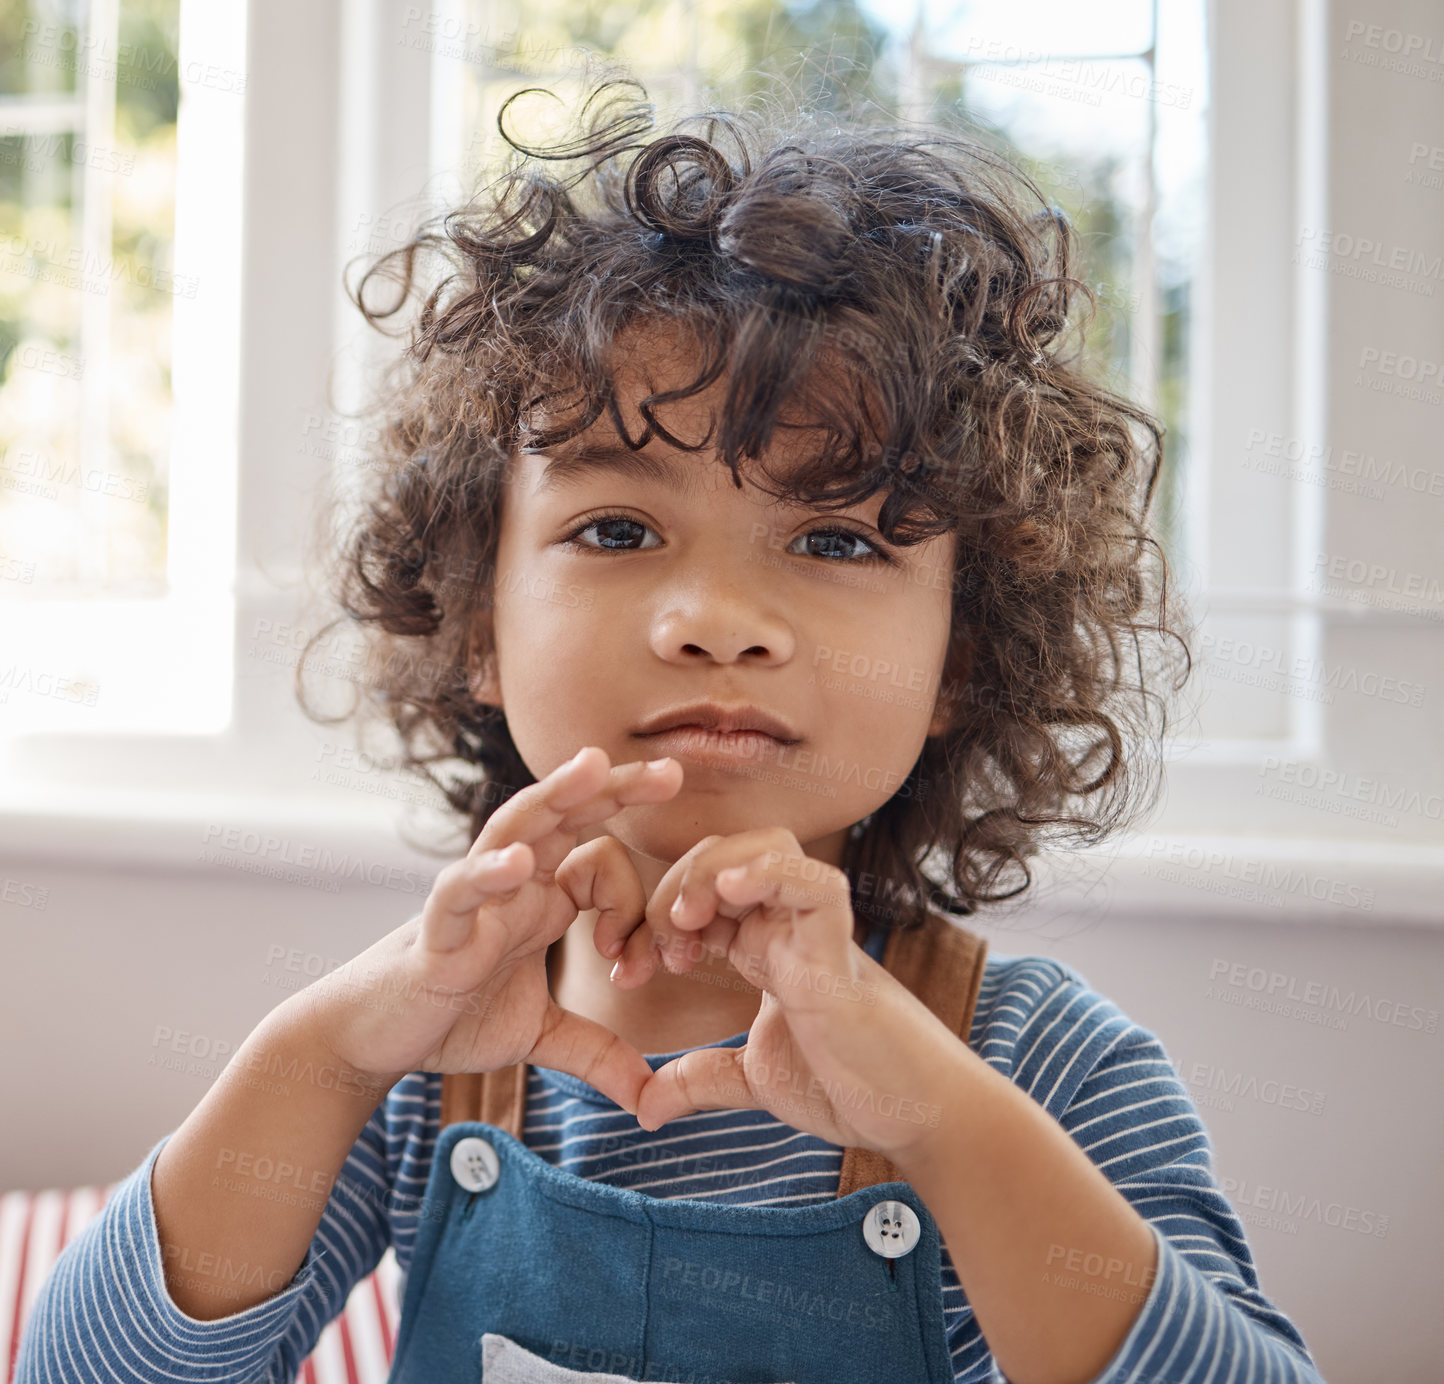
[356,1348]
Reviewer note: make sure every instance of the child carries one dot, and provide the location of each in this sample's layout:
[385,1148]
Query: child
[683,1073]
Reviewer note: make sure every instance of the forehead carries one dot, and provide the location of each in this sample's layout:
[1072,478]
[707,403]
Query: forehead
[661,358]
[567,463]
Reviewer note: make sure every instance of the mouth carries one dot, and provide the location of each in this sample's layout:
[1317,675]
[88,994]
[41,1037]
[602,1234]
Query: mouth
[713,716]
[720,748]
[709,733]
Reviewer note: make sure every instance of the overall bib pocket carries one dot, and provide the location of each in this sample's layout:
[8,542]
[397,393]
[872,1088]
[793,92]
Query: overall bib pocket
[505,1362]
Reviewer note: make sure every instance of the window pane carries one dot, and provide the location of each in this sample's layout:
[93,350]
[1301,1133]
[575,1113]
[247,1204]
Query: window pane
[1090,131]
[685,53]
[1091,156]
[41,364]
[86,297]
[975,30]
[39,44]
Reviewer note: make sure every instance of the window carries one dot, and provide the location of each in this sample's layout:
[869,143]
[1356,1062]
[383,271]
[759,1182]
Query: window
[1199,149]
[117,470]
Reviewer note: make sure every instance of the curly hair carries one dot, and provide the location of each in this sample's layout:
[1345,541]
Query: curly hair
[913,263]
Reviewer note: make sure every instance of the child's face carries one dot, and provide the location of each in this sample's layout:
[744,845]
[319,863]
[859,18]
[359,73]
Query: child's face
[712,593]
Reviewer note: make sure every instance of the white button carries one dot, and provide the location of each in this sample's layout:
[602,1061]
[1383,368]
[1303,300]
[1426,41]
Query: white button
[474,1164]
[891,1229]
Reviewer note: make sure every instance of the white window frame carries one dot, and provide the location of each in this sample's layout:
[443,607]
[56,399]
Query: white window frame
[1266,356]
[344,123]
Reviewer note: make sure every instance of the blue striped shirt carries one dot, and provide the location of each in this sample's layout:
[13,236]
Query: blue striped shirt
[104,1313]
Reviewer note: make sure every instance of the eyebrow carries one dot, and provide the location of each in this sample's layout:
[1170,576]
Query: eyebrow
[583,458]
[580,459]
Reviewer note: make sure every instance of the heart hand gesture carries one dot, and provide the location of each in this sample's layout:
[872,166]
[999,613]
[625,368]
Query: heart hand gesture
[463,986]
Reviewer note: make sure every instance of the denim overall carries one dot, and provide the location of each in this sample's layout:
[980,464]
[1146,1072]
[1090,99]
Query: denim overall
[525,1274]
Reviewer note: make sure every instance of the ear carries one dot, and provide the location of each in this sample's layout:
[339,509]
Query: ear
[484,684]
[942,715]
[483,678]
[956,668]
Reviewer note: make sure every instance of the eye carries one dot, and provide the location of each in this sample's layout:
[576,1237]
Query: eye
[823,542]
[616,533]
[613,531]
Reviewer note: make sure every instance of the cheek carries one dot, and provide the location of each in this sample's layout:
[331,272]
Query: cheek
[877,682]
[554,642]
[553,628]
[881,686]
[539,608]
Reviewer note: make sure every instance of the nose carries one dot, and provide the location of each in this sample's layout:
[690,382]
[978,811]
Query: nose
[724,625]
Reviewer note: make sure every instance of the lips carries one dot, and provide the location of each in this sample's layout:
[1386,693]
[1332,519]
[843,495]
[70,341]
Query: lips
[724,721]
[736,751]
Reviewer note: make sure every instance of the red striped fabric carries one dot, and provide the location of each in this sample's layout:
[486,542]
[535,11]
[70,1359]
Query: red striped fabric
[356,1348]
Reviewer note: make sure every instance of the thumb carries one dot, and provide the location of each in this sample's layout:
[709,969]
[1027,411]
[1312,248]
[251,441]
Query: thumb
[586,1049]
[703,1079]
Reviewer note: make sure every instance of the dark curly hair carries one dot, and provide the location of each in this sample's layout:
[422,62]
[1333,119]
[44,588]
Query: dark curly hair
[912,264]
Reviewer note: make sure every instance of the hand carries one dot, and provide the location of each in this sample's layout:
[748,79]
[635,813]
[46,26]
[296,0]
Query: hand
[463,986]
[839,1047]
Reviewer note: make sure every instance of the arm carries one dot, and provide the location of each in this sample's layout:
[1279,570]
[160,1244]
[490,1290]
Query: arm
[105,1313]
[1051,1191]
[240,1188]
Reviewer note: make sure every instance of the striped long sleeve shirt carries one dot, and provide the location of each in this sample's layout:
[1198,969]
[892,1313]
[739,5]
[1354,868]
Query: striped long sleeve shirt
[104,1313]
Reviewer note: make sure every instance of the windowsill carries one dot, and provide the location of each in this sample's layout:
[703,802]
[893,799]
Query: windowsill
[300,837]
[309,839]
[1165,876]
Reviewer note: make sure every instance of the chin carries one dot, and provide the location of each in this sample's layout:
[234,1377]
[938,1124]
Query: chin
[667,831]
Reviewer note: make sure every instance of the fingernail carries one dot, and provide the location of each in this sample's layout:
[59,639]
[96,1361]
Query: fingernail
[657,765]
[615,969]
[678,907]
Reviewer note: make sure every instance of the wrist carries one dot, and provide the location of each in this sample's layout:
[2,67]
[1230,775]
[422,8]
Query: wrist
[952,1084]
[297,1042]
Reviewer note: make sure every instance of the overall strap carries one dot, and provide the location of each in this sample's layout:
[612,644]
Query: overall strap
[941,963]
[496,1098]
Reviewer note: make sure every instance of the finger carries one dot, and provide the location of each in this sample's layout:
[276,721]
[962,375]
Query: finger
[585,1049]
[716,938]
[639,960]
[549,814]
[669,942]
[686,899]
[698,900]
[449,914]
[703,1079]
[536,808]
[772,883]
[599,874]
[812,903]
[676,944]
[615,890]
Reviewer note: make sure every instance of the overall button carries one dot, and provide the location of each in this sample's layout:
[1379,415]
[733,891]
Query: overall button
[891,1229]
[475,1165]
